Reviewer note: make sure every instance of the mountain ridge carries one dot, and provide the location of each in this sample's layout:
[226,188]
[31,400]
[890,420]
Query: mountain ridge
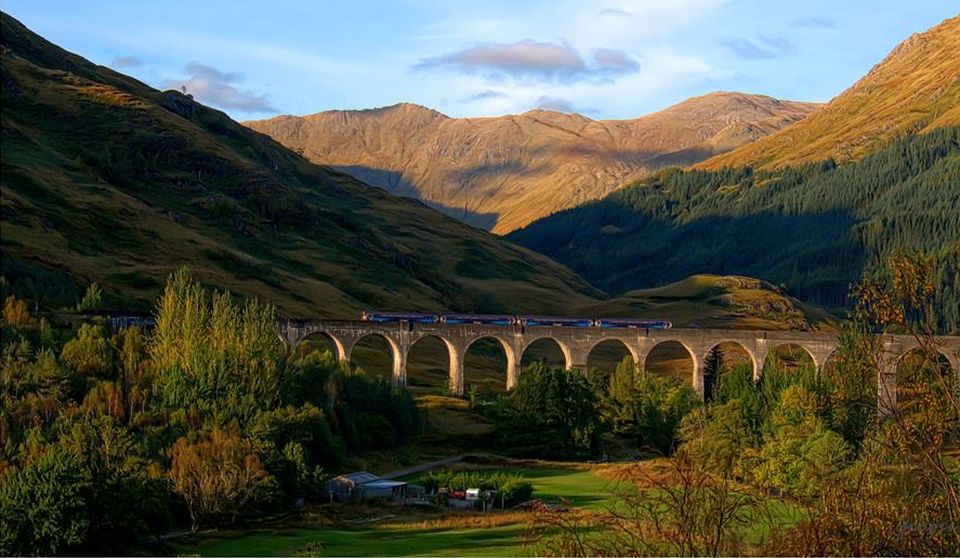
[502,172]
[106,179]
[914,89]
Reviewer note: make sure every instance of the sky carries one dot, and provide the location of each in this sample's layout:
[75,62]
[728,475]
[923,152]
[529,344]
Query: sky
[617,59]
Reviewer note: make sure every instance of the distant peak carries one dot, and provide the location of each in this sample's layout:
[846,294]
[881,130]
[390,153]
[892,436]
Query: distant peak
[403,107]
[732,95]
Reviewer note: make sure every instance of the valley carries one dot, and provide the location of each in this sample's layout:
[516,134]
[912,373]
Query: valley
[199,350]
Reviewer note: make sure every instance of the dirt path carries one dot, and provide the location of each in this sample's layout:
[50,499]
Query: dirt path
[422,467]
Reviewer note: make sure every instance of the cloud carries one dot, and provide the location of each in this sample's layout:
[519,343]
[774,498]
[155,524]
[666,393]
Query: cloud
[616,12]
[214,87]
[769,46]
[528,60]
[121,62]
[487,94]
[555,103]
[817,22]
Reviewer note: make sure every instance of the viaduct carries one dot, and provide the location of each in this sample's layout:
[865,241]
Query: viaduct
[577,343]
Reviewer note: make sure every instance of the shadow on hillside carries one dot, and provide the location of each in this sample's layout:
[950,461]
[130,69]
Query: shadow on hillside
[815,255]
[396,184]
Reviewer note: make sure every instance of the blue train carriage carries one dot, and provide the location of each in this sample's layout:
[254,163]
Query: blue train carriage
[390,317]
[478,319]
[556,321]
[607,323]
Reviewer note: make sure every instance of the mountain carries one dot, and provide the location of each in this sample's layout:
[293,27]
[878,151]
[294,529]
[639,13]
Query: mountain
[106,179]
[915,89]
[501,173]
[814,229]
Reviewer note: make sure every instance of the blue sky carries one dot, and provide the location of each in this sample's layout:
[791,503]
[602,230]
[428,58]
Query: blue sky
[616,59]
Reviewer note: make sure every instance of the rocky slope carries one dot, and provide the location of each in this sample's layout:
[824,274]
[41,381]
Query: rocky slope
[501,173]
[105,179]
[916,88]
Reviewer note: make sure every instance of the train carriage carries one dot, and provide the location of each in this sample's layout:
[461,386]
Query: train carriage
[390,317]
[479,319]
[608,323]
[556,321]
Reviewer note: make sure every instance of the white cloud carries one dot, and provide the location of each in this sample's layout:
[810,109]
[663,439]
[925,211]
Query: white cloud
[555,103]
[531,60]
[217,88]
[125,62]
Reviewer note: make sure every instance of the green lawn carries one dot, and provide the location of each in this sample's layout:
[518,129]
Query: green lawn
[371,541]
[421,537]
[581,487]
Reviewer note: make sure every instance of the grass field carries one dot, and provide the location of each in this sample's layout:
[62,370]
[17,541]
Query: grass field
[416,532]
[502,540]
[448,534]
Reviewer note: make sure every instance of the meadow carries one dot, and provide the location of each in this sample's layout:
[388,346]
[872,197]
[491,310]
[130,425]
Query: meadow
[415,532]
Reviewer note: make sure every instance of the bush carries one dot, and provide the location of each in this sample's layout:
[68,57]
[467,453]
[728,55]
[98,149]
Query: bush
[511,488]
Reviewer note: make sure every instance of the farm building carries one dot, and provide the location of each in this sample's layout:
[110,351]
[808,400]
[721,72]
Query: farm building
[365,486]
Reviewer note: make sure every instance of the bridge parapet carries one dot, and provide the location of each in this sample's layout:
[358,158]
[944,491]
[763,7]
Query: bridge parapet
[576,345]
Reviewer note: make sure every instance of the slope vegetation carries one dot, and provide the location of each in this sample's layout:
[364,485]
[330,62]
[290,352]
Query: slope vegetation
[915,89]
[814,229]
[503,172]
[714,301]
[105,179]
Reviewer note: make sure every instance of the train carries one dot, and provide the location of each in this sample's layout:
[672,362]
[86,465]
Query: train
[409,317]
[509,320]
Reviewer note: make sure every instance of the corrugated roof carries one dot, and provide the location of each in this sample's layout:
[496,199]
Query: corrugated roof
[383,484]
[360,477]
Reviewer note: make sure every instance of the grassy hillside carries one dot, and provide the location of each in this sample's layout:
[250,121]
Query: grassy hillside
[915,89]
[105,179]
[503,172]
[815,229]
[713,301]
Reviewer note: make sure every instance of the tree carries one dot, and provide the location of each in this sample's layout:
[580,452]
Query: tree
[298,444]
[42,509]
[91,300]
[900,496]
[850,383]
[89,353]
[123,501]
[551,412]
[647,407]
[209,350]
[660,405]
[217,476]
[802,455]
[86,492]
[718,437]
[15,313]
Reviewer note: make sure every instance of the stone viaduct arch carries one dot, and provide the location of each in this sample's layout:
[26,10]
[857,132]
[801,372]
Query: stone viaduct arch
[630,349]
[513,359]
[564,348]
[577,343]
